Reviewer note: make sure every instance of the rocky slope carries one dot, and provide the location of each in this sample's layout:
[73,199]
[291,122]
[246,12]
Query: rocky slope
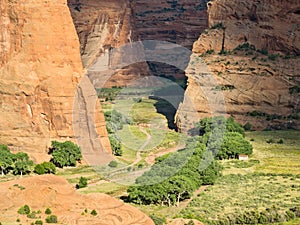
[257,72]
[49,191]
[40,67]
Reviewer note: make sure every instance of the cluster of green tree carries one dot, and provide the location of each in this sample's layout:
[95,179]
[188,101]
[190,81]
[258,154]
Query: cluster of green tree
[18,163]
[65,153]
[82,183]
[174,177]
[268,216]
[114,122]
[225,138]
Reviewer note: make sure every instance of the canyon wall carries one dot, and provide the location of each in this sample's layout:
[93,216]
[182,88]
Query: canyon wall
[40,67]
[251,51]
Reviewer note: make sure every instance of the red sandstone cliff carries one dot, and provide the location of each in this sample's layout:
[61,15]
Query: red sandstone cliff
[252,77]
[40,67]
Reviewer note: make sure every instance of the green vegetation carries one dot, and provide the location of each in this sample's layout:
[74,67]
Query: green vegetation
[22,164]
[65,153]
[158,220]
[245,47]
[6,159]
[175,177]
[246,199]
[114,122]
[48,211]
[94,212]
[113,164]
[51,219]
[39,222]
[45,168]
[276,158]
[18,163]
[108,94]
[218,26]
[24,210]
[82,183]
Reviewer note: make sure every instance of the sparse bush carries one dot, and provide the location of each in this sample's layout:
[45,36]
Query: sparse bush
[272,57]
[25,209]
[48,211]
[218,26]
[94,212]
[32,215]
[113,164]
[82,183]
[157,220]
[39,169]
[39,222]
[51,219]
[280,141]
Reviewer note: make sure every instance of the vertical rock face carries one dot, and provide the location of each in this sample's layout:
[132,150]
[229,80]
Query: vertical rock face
[101,27]
[179,22]
[257,85]
[40,69]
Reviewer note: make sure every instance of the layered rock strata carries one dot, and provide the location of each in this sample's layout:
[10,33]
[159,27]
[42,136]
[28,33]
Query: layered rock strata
[252,51]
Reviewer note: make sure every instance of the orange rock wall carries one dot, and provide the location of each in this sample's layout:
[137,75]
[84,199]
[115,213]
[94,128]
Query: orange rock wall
[258,82]
[40,67]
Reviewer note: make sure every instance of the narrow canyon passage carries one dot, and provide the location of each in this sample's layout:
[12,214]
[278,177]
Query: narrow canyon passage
[108,25]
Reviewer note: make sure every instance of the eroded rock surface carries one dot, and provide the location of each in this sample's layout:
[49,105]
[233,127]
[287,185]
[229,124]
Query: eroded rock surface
[252,77]
[40,69]
[49,191]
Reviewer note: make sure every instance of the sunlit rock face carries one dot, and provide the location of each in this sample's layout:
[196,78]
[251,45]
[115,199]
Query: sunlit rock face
[252,78]
[40,67]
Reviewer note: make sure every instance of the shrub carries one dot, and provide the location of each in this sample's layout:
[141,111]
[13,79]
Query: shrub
[272,57]
[49,167]
[48,211]
[39,222]
[280,141]
[82,183]
[51,219]
[25,209]
[157,220]
[113,164]
[218,26]
[115,145]
[39,169]
[94,212]
[191,222]
[32,215]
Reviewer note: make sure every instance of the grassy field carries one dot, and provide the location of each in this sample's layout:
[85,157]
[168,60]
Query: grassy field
[271,177]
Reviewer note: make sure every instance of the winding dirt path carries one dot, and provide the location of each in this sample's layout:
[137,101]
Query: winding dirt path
[150,159]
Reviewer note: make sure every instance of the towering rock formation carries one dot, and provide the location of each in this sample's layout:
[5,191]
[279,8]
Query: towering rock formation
[40,67]
[256,70]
